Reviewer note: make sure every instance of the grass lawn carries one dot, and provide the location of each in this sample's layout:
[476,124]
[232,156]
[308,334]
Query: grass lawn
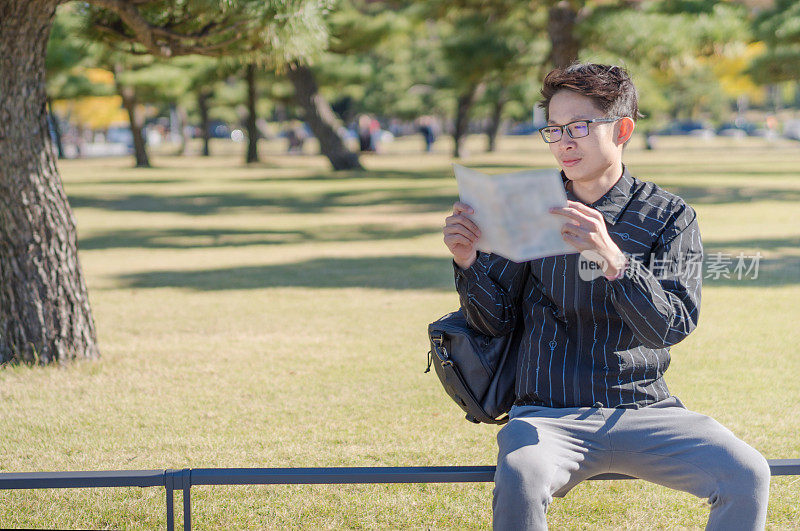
[275,315]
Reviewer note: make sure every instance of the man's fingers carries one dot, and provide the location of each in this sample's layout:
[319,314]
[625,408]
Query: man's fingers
[579,232]
[463,220]
[462,207]
[459,207]
[451,240]
[577,205]
[572,213]
[461,229]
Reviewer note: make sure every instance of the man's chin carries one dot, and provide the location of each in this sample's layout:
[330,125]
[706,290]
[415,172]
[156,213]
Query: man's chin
[573,174]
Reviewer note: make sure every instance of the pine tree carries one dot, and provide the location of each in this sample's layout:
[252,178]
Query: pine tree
[44,308]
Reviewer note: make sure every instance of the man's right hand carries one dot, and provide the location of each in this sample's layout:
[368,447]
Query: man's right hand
[461,234]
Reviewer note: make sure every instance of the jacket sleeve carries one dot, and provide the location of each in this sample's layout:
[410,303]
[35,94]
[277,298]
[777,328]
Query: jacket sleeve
[661,303]
[489,291]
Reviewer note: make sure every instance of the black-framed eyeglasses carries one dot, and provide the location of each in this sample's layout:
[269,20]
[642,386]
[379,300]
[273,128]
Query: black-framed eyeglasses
[576,129]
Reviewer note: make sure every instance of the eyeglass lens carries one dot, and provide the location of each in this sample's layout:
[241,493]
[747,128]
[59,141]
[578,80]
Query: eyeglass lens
[575,129]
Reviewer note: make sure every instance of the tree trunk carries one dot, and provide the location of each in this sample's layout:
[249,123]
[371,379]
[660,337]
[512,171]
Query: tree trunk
[179,118]
[463,106]
[135,117]
[202,103]
[321,119]
[494,123]
[796,94]
[564,49]
[56,129]
[44,308]
[252,130]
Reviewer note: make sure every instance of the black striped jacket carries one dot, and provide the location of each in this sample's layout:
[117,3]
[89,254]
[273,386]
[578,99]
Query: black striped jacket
[595,342]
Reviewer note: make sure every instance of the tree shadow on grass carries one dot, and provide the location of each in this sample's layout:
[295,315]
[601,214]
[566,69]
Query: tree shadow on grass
[216,238]
[780,269]
[673,169]
[407,199]
[763,244]
[509,167]
[258,177]
[124,182]
[354,175]
[412,199]
[732,194]
[393,272]
[389,272]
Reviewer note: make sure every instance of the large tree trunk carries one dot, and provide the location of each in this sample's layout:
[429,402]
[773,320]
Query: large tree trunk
[561,22]
[494,121]
[321,119]
[202,104]
[44,308]
[56,129]
[135,117]
[252,130]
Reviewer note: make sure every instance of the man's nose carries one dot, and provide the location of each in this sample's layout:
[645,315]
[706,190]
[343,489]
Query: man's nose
[566,142]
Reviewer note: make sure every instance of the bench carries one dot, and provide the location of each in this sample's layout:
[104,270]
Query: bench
[183,479]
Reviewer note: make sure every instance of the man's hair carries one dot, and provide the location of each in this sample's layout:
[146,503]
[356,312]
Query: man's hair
[609,87]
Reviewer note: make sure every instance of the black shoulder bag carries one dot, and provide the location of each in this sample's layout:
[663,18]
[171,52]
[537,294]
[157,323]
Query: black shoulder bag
[477,371]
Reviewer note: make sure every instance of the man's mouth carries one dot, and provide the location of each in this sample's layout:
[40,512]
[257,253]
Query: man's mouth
[570,162]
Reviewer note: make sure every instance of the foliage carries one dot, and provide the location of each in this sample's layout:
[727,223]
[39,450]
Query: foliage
[278,30]
[779,28]
[672,49]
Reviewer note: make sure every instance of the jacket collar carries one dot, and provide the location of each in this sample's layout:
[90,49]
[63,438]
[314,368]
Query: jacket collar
[614,200]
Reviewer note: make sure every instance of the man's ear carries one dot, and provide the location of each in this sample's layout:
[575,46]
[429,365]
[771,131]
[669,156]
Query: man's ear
[626,126]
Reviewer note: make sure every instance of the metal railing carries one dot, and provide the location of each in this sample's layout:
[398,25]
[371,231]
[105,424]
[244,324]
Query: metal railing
[185,478]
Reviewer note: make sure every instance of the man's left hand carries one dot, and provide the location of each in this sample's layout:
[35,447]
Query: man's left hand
[586,230]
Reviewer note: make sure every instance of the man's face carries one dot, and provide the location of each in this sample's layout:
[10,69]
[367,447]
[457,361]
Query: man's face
[589,157]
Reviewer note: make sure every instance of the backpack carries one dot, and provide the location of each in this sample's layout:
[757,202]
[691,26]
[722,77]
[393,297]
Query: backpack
[477,371]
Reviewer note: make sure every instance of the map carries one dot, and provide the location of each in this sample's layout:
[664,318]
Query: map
[511,209]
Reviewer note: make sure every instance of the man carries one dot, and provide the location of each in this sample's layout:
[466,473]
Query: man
[598,324]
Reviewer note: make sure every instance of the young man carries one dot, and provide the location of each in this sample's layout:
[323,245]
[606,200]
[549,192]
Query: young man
[590,393]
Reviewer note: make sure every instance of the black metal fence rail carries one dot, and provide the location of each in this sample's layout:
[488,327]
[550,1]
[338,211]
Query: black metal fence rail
[185,478]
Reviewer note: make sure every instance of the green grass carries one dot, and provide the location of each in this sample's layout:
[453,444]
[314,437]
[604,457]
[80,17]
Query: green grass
[275,315]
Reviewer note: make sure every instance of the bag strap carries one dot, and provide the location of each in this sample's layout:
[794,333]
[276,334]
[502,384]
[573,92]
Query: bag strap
[502,420]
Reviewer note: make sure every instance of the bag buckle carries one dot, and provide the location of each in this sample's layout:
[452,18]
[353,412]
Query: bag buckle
[437,342]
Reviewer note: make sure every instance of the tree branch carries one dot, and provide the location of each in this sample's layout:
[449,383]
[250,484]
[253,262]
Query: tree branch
[134,20]
[165,41]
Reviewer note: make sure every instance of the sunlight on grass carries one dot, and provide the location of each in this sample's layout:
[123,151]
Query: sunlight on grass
[275,315]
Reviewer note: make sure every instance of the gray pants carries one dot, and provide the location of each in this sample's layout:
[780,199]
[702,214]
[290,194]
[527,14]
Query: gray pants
[544,452]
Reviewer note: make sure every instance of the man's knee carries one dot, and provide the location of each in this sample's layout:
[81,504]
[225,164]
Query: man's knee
[737,466]
[523,469]
[522,466]
[743,477]
[747,476]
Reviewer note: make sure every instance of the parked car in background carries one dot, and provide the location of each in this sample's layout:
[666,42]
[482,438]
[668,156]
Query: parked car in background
[688,128]
[791,129]
[216,129]
[525,128]
[120,135]
[219,130]
[737,129]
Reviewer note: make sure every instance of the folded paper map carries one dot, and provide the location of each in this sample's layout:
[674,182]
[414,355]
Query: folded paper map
[511,209]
